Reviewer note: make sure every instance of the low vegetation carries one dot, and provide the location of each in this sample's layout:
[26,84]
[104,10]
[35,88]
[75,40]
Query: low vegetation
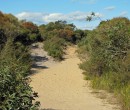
[55,47]
[15,64]
[57,35]
[105,52]
[108,58]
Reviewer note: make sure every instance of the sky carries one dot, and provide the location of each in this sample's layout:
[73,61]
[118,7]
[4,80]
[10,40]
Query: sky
[72,11]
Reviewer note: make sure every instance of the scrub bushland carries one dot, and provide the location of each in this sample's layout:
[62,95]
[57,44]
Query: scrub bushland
[106,58]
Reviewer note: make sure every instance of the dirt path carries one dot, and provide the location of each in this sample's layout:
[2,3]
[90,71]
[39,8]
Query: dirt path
[60,85]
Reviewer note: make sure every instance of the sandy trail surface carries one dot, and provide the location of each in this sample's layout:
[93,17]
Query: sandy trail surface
[61,86]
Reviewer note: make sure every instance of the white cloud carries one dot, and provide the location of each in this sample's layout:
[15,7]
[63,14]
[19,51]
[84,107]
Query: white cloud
[110,8]
[124,13]
[89,27]
[40,18]
[30,16]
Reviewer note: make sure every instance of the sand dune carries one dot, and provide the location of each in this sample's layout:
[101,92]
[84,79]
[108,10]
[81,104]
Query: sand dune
[61,86]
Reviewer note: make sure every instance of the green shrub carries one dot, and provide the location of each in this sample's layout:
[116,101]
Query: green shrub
[15,92]
[108,65]
[17,54]
[15,64]
[117,83]
[55,47]
[125,96]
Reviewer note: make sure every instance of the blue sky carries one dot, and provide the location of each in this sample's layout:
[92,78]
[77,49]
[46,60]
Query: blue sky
[73,11]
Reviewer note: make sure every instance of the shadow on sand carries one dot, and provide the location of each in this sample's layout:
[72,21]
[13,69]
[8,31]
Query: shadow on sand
[38,63]
[36,66]
[39,59]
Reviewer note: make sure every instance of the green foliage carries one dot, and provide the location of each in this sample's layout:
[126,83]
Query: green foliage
[2,38]
[60,29]
[31,32]
[55,47]
[108,46]
[15,64]
[15,92]
[56,35]
[115,82]
[24,32]
[108,62]
[79,34]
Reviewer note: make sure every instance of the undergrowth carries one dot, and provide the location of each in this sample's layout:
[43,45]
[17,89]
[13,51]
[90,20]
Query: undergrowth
[107,62]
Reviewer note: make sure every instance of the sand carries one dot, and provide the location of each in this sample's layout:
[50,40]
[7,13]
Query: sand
[61,85]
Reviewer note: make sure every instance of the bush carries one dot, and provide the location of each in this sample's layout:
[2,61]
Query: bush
[55,47]
[15,92]
[15,63]
[108,48]
[115,82]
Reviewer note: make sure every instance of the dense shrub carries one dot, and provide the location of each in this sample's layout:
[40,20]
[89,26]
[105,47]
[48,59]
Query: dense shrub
[15,63]
[33,31]
[56,35]
[108,65]
[55,47]
[59,28]
[108,46]
[15,92]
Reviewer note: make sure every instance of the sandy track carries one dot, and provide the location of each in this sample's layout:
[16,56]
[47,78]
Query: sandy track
[60,85]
